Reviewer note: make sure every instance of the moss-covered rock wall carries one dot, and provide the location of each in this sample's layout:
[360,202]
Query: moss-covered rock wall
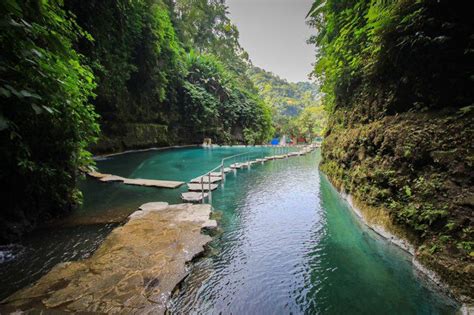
[418,168]
[116,138]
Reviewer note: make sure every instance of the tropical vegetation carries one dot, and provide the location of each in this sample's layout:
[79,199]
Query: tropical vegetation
[296,108]
[126,73]
[396,77]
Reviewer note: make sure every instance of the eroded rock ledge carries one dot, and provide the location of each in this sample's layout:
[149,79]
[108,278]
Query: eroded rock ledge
[133,271]
[379,221]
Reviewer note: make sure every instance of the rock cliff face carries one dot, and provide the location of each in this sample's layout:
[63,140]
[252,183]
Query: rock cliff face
[414,170]
[401,128]
[115,138]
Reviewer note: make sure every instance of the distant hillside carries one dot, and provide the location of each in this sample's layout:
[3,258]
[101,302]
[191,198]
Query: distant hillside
[286,99]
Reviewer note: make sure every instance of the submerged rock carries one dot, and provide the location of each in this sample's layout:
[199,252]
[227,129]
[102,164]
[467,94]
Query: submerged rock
[133,271]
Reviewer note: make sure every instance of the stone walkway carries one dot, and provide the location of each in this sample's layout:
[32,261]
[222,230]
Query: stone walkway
[136,181]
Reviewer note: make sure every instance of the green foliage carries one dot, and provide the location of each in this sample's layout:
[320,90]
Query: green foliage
[427,192]
[46,120]
[397,77]
[204,26]
[404,50]
[310,123]
[145,74]
[135,62]
[217,106]
[288,101]
[135,55]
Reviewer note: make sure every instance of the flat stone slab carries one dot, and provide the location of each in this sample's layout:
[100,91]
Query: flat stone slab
[216,174]
[152,182]
[136,181]
[198,187]
[111,178]
[280,157]
[133,272]
[227,169]
[236,165]
[261,160]
[193,196]
[205,179]
[98,175]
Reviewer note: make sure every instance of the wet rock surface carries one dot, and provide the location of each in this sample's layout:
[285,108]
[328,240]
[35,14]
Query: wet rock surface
[133,271]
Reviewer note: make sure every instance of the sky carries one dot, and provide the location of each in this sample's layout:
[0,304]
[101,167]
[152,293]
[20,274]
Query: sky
[274,33]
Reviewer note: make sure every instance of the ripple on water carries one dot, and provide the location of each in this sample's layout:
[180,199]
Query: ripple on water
[290,245]
[35,257]
[10,252]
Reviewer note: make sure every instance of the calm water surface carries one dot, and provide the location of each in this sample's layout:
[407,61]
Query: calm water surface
[106,205]
[289,243]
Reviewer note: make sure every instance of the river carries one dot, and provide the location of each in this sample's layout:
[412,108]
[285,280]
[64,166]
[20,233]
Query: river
[289,242]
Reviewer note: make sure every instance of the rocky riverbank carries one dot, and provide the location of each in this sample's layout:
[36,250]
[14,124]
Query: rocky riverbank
[415,170]
[133,271]
[378,220]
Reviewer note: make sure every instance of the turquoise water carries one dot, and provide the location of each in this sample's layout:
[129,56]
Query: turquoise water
[289,243]
[106,205]
[114,200]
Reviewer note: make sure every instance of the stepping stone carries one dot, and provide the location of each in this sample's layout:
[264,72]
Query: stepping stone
[198,187]
[227,169]
[136,181]
[236,165]
[216,174]
[98,175]
[261,160]
[152,183]
[205,179]
[193,196]
[112,178]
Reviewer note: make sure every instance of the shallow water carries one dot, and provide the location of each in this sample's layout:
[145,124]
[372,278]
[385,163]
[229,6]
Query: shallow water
[289,243]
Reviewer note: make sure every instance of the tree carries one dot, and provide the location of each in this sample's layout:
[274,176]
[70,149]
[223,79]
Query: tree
[286,100]
[311,122]
[217,106]
[46,121]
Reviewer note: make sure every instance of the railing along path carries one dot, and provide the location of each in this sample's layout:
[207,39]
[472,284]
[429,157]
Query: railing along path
[218,173]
